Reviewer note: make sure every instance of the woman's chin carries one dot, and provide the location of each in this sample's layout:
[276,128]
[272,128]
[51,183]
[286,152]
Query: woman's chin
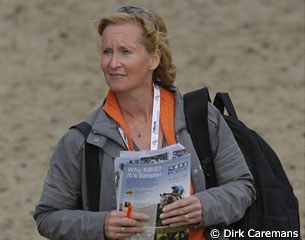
[118,88]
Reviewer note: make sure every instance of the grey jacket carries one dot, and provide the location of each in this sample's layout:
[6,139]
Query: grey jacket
[58,214]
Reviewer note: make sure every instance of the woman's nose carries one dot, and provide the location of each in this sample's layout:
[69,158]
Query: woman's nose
[115,61]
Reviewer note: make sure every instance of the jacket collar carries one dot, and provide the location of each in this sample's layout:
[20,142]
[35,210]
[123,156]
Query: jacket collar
[180,122]
[104,128]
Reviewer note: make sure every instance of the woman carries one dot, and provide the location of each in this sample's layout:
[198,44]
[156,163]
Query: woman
[137,65]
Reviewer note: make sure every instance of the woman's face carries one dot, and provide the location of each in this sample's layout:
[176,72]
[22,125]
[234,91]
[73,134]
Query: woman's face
[125,61]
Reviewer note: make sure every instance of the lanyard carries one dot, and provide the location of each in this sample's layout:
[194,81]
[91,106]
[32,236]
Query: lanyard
[155,122]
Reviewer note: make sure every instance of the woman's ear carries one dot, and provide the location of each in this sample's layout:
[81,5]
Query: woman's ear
[155,60]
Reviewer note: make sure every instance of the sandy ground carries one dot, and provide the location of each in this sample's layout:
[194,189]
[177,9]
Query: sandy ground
[50,79]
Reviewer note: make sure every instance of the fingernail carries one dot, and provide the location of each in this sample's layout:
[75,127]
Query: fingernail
[161,215]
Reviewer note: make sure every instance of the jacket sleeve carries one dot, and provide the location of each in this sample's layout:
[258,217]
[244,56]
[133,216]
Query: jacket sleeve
[57,213]
[228,202]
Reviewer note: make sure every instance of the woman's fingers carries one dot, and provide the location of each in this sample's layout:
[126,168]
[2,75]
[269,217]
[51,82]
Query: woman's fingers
[182,212]
[118,226]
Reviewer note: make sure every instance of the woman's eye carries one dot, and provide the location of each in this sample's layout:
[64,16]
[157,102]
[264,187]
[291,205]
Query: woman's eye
[126,51]
[106,51]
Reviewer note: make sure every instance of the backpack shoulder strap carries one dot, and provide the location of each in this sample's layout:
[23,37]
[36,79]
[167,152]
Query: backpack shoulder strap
[83,127]
[223,101]
[196,115]
[92,167]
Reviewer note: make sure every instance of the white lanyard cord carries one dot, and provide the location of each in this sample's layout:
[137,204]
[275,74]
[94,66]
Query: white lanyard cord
[155,122]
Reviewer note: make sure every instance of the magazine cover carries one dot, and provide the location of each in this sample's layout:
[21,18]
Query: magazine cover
[148,187]
[139,157]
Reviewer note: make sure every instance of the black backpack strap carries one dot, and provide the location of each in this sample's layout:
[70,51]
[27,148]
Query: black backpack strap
[83,127]
[223,101]
[196,115]
[92,166]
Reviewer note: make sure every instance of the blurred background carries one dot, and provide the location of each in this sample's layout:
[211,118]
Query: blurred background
[50,79]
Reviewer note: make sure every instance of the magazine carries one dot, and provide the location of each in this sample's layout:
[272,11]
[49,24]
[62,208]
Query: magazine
[138,157]
[148,181]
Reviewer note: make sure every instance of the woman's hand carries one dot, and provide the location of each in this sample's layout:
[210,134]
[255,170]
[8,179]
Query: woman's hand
[182,212]
[118,226]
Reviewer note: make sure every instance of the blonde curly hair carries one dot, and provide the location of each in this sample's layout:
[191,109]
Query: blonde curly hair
[155,37]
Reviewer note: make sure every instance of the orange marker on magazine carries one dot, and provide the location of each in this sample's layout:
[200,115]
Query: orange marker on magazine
[128,213]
